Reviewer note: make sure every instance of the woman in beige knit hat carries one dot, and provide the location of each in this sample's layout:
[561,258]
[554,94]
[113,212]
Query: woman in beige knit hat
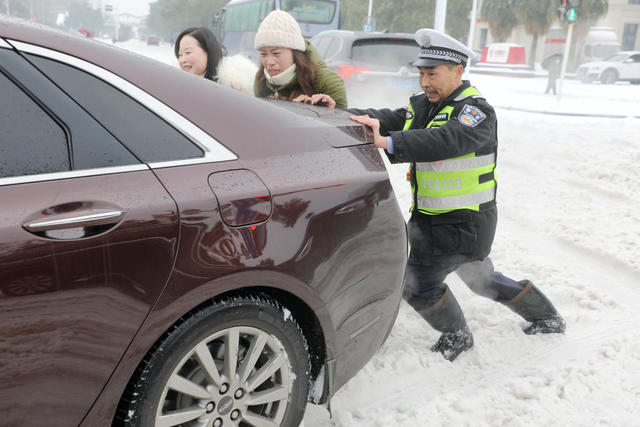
[290,68]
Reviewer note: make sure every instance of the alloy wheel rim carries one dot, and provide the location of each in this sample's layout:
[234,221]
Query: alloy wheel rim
[237,376]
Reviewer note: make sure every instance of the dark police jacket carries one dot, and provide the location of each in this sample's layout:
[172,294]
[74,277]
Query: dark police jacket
[463,235]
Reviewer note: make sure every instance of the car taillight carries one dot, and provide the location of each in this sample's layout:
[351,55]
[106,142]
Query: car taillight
[345,71]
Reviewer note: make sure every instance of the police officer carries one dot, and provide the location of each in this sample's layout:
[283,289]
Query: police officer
[449,135]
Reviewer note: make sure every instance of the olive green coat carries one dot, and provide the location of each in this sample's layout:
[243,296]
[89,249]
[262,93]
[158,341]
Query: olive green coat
[326,81]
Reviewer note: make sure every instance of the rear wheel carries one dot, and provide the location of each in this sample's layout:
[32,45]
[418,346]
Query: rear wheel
[609,76]
[242,362]
[635,82]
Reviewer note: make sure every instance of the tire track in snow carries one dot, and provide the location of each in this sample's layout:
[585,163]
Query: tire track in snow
[614,275]
[485,371]
[611,196]
[592,331]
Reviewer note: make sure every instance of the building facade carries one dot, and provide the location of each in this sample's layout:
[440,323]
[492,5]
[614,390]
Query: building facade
[622,19]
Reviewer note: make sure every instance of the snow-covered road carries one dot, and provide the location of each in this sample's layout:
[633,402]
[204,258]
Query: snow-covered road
[569,195]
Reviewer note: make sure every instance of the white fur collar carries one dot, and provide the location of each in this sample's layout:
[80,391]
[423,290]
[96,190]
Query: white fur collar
[238,72]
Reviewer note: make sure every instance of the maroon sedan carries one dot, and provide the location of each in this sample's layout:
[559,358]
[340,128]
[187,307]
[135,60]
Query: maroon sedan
[177,253]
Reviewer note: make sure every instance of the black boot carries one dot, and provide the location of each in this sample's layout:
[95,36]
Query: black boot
[536,308]
[447,317]
[451,344]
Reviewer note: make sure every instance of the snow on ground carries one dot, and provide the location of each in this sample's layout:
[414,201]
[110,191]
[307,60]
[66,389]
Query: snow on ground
[569,191]
[568,194]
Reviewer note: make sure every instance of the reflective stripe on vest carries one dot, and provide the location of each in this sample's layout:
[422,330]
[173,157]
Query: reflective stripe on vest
[452,184]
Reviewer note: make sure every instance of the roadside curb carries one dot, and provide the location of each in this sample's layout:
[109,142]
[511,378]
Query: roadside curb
[563,113]
[515,72]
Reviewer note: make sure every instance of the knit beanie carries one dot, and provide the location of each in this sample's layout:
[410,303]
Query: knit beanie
[279,29]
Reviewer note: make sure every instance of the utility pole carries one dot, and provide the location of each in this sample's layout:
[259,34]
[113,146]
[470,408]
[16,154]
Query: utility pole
[8,7]
[369,22]
[567,14]
[440,15]
[565,57]
[472,25]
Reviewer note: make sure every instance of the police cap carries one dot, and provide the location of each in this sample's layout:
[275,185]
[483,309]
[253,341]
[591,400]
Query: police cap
[438,48]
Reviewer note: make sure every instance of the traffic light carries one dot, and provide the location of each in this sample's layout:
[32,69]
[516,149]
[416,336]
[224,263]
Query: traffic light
[568,10]
[562,11]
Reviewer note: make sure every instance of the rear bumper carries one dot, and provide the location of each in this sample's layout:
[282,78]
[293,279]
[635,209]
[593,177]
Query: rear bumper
[361,332]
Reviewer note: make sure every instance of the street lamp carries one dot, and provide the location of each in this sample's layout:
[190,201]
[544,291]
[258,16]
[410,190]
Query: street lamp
[369,22]
[440,15]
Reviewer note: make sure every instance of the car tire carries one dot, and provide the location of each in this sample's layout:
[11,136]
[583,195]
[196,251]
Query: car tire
[635,82]
[189,377]
[609,76]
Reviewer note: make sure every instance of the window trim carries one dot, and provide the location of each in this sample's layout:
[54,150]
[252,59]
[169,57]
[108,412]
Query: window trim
[214,151]
[55,176]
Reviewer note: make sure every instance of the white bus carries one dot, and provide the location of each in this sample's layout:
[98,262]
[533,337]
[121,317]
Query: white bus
[236,23]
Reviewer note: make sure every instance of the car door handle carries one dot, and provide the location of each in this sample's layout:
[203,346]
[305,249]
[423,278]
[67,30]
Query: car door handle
[75,219]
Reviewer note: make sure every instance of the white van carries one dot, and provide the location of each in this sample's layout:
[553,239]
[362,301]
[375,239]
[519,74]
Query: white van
[599,43]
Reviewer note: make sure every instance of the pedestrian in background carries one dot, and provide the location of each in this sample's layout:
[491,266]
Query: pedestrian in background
[552,64]
[449,135]
[290,68]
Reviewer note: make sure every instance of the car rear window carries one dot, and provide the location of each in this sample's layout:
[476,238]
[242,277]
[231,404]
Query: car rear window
[385,53]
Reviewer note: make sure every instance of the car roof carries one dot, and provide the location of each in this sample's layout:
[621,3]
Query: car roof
[357,35]
[216,109]
[234,2]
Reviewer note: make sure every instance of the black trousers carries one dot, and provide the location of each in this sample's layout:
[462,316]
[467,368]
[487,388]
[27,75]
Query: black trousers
[427,281]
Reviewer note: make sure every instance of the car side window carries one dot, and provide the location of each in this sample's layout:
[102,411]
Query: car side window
[149,137]
[635,58]
[90,145]
[31,142]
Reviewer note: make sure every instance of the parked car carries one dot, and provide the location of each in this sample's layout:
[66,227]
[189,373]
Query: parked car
[371,63]
[622,66]
[174,252]
[153,40]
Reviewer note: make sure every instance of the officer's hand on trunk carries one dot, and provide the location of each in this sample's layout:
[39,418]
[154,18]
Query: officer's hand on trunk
[374,124]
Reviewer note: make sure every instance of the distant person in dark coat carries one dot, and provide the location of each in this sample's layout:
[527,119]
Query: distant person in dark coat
[552,64]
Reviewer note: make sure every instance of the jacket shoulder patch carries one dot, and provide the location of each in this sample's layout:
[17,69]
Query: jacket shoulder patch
[408,114]
[471,116]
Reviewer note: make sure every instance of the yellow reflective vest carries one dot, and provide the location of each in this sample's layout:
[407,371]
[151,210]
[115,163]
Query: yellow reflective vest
[452,184]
